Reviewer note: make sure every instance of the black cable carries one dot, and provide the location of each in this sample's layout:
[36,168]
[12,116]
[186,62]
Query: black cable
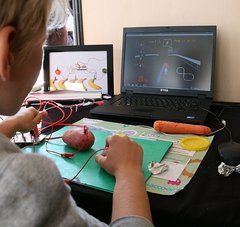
[228,107]
[221,123]
[95,152]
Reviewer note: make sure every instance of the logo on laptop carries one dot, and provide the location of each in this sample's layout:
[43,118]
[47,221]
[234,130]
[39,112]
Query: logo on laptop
[164,90]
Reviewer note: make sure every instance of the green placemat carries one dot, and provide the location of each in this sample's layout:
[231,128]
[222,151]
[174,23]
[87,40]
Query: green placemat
[92,174]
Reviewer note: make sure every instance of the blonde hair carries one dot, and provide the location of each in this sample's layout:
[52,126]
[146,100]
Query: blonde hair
[30,19]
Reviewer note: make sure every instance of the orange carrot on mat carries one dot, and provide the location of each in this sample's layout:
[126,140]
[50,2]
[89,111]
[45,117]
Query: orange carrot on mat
[173,127]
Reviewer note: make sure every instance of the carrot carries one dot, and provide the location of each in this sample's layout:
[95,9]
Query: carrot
[173,127]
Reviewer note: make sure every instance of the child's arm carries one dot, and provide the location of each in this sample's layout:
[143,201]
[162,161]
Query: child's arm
[23,121]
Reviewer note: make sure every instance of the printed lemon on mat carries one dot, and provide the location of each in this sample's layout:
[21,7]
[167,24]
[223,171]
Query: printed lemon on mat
[195,143]
[120,134]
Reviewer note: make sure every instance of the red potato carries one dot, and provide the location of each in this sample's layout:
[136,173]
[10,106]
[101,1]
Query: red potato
[77,139]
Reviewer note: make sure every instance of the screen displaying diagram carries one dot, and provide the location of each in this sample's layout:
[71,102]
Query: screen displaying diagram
[172,61]
[78,71]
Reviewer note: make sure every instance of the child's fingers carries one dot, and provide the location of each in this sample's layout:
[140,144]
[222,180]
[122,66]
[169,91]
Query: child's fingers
[37,119]
[44,113]
[36,112]
[100,159]
[32,110]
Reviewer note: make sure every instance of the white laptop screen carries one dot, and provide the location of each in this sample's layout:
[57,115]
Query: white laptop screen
[87,68]
[77,69]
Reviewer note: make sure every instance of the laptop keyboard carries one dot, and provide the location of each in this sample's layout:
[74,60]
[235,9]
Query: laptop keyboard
[173,103]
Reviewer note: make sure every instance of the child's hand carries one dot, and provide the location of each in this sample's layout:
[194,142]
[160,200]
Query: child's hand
[23,121]
[26,119]
[122,156]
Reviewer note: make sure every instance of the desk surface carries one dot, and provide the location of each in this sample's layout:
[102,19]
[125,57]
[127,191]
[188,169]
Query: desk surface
[209,199]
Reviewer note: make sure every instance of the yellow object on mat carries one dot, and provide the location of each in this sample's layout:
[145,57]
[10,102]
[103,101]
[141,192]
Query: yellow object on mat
[195,143]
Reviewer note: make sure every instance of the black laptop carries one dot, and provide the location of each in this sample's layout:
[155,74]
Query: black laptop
[167,74]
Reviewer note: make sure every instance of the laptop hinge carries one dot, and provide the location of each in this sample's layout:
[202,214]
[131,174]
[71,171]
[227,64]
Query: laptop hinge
[202,96]
[129,92]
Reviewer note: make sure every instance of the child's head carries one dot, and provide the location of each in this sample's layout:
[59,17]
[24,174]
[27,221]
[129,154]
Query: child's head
[29,18]
[23,25]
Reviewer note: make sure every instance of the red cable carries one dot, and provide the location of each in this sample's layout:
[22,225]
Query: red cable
[59,122]
[69,115]
[55,123]
[63,155]
[25,102]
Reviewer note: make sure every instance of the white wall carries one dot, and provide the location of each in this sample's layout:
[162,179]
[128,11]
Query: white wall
[104,21]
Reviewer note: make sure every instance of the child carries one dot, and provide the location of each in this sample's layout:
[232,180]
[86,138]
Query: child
[24,121]
[32,192]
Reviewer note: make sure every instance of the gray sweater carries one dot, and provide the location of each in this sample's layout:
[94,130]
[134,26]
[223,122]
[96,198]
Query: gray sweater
[32,193]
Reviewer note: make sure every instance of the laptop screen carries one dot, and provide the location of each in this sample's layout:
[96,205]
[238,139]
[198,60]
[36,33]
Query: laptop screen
[169,59]
[88,68]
